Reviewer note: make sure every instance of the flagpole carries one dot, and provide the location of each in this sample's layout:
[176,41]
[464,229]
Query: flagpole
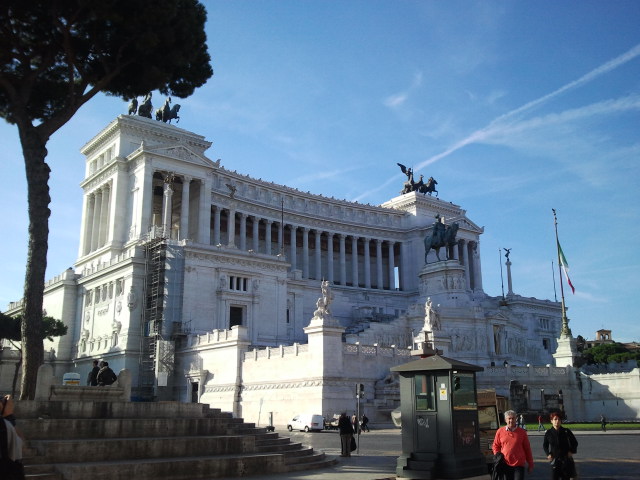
[565,331]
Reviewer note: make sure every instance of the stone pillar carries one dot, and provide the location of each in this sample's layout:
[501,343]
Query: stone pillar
[392,271]
[97,214]
[104,217]
[343,260]
[330,257]
[318,252]
[367,263]
[379,277]
[267,237]
[216,225]
[354,261]
[465,260]
[88,224]
[231,228]
[510,285]
[477,270]
[146,200]
[204,217]
[243,231]
[305,252]
[167,206]
[280,238]
[184,208]
[292,256]
[255,233]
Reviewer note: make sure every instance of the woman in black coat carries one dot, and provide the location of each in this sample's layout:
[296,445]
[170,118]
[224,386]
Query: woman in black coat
[560,445]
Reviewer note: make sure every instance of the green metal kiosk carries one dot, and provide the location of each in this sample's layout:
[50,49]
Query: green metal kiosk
[440,436]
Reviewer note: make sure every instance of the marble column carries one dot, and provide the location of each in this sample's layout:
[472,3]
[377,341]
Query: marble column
[184,208]
[343,260]
[204,213]
[88,223]
[318,253]
[392,271]
[354,261]
[255,233]
[267,237]
[231,228]
[330,257]
[293,254]
[97,214]
[243,231]
[216,225]
[477,269]
[105,214]
[367,263]
[465,260]
[280,238]
[167,206]
[305,252]
[379,277]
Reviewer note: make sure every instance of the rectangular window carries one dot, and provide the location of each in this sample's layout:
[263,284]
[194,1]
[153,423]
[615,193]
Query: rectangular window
[463,391]
[239,284]
[425,393]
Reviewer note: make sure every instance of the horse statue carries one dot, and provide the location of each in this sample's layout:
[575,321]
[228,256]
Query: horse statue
[428,187]
[167,113]
[133,106]
[144,110]
[409,184]
[445,236]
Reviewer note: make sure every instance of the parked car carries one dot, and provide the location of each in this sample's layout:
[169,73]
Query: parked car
[306,422]
[332,424]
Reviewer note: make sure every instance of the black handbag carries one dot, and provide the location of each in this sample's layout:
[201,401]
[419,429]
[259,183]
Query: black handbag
[353,444]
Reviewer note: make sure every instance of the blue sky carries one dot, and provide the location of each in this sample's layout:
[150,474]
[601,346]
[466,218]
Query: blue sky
[514,107]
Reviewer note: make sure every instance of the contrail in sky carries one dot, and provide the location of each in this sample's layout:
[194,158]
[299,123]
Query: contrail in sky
[492,127]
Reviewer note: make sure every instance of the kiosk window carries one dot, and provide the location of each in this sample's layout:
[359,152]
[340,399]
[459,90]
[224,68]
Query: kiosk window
[464,391]
[425,393]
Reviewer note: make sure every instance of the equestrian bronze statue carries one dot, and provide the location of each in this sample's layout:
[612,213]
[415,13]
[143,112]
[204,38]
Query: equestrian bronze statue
[441,236]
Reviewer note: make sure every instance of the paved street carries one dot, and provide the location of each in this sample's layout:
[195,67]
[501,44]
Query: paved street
[601,456]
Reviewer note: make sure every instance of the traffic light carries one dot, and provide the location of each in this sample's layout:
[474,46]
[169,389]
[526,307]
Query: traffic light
[456,383]
[359,390]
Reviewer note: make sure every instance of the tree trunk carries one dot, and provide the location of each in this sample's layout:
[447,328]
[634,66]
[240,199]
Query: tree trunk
[15,376]
[37,171]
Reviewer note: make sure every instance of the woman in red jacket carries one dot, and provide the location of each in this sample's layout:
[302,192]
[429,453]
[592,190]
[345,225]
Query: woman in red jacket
[513,442]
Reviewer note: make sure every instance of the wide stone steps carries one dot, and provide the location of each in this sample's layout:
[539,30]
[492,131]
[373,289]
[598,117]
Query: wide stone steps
[141,441]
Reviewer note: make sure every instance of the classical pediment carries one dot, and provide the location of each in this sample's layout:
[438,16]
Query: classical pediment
[183,153]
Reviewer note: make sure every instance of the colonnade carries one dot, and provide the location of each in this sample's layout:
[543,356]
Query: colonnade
[97,218]
[344,259]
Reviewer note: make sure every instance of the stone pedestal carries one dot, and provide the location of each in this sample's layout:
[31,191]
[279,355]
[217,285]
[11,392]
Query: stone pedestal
[442,281]
[567,351]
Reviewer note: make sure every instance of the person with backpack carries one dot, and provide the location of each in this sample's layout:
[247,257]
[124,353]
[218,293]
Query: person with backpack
[106,376]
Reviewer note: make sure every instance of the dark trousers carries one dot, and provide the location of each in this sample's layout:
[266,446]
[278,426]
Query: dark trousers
[513,473]
[345,440]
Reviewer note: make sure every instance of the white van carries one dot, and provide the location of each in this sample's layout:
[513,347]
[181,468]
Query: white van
[306,422]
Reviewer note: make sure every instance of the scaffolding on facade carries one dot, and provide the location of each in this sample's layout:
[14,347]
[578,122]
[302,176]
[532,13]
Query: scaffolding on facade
[154,300]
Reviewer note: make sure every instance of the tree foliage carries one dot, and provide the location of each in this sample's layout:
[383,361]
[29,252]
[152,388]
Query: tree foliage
[10,328]
[607,353]
[55,55]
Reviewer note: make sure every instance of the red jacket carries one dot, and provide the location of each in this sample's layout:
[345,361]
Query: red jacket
[515,447]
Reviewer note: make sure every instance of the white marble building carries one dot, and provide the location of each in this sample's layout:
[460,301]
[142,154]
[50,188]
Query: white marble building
[203,282]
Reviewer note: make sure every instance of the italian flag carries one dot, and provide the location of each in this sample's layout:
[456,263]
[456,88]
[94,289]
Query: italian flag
[565,267]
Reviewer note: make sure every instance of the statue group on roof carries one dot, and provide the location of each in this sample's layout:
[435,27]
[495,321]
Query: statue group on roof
[420,186]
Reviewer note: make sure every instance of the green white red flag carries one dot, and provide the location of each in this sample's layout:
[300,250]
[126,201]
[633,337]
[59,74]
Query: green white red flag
[565,267]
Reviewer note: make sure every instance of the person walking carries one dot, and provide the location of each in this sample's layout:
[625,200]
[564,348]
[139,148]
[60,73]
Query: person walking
[603,423]
[540,425]
[365,423]
[346,434]
[106,376]
[513,443]
[92,378]
[560,445]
